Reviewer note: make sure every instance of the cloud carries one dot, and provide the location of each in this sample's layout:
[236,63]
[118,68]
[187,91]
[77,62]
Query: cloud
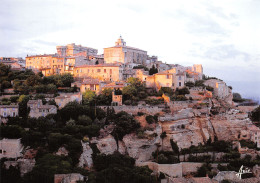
[223,52]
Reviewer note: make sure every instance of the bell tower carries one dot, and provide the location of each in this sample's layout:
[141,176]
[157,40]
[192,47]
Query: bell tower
[120,42]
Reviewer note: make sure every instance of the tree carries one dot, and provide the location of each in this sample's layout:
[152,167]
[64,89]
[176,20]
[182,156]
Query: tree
[163,135]
[23,109]
[189,84]
[255,114]
[124,124]
[46,167]
[84,120]
[67,79]
[72,111]
[117,168]
[237,96]
[105,97]
[135,89]
[153,70]
[203,170]
[175,148]
[11,131]
[10,175]
[33,80]
[88,96]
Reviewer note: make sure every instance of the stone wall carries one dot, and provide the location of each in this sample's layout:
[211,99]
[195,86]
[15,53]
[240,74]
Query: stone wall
[182,114]
[152,110]
[173,170]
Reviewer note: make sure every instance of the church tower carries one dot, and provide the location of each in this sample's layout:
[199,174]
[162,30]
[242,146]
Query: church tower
[120,42]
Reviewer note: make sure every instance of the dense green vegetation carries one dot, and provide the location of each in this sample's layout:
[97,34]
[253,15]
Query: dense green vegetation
[67,128]
[124,124]
[25,82]
[134,92]
[237,97]
[255,114]
[117,168]
[153,70]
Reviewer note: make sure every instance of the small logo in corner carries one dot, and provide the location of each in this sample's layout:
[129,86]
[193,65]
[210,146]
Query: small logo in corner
[242,170]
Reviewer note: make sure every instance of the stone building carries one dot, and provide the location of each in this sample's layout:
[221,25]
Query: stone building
[221,90]
[75,50]
[48,64]
[10,148]
[167,78]
[8,111]
[65,98]
[254,134]
[103,72]
[162,79]
[37,109]
[90,84]
[114,86]
[124,54]
[198,68]
[117,99]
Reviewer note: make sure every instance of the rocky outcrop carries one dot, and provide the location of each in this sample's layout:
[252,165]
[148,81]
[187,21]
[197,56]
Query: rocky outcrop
[140,149]
[108,145]
[187,132]
[69,178]
[226,175]
[86,156]
[25,165]
[62,151]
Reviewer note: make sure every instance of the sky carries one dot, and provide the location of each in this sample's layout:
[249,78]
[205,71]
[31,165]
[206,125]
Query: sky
[223,35]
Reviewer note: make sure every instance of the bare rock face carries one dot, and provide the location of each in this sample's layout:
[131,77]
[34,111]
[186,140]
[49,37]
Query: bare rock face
[62,151]
[228,127]
[25,165]
[107,145]
[142,149]
[86,156]
[226,175]
[187,132]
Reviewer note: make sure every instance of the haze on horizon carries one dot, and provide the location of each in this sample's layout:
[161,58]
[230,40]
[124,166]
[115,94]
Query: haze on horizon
[222,35]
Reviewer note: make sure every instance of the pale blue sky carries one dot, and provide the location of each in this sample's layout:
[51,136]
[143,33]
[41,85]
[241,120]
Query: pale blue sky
[223,35]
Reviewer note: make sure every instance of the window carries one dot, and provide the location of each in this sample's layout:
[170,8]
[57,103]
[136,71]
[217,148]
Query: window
[168,76]
[179,77]
[105,70]
[98,70]
[179,83]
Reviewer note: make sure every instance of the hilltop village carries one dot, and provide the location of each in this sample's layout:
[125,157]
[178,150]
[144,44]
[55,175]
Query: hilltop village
[122,116]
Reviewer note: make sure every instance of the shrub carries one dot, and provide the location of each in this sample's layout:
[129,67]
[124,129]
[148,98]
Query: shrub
[181,98]
[189,84]
[209,88]
[150,119]
[124,124]
[255,114]
[127,102]
[140,113]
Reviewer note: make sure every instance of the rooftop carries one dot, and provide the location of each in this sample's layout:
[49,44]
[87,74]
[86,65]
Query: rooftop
[100,65]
